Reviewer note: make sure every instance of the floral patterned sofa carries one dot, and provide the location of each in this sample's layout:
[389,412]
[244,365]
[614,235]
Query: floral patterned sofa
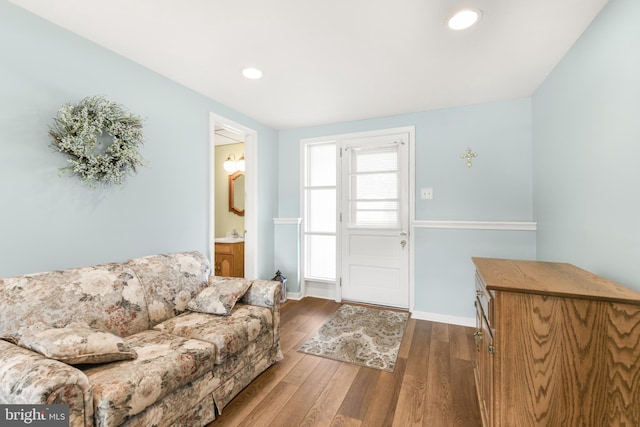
[153,341]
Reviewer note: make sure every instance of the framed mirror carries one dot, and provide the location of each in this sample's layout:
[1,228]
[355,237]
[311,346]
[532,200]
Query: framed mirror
[236,193]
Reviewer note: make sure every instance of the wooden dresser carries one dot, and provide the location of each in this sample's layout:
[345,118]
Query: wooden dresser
[557,346]
[229,259]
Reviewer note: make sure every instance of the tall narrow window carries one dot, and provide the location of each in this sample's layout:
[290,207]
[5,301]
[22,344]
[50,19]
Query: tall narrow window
[320,210]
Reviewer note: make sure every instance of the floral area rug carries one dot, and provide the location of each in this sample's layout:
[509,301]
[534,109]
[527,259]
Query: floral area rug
[360,335]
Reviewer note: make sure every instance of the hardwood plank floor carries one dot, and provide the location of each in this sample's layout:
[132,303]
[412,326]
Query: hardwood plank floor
[432,384]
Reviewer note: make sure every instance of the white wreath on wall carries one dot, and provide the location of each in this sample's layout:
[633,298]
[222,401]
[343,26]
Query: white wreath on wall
[75,133]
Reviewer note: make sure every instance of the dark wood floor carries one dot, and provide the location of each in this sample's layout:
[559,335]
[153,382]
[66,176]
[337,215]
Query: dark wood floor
[432,384]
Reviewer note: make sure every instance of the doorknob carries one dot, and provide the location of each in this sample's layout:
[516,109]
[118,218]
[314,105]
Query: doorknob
[403,243]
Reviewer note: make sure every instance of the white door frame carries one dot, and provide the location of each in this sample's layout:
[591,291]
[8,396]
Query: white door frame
[251,199]
[411,196]
[373,258]
[366,134]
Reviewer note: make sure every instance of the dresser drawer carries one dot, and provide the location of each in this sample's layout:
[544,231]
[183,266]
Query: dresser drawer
[223,248]
[485,300]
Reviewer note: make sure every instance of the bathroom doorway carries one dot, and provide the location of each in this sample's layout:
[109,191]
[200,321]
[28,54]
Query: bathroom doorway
[232,230]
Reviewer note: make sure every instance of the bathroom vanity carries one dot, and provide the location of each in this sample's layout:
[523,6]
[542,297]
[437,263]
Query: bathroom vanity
[229,257]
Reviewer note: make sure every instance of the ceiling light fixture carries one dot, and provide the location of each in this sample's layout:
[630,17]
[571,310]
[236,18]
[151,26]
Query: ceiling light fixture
[463,19]
[252,73]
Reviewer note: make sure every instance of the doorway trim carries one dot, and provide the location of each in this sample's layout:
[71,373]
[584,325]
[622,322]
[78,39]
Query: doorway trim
[332,290]
[396,291]
[251,204]
[411,131]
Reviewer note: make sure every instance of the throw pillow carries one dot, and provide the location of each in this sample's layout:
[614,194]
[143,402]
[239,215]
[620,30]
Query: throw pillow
[75,344]
[220,296]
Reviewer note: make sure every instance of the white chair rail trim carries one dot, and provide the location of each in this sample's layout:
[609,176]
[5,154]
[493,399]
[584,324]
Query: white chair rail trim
[478,225]
[287,221]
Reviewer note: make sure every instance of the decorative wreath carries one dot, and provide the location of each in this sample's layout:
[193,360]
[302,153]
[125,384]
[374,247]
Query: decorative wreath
[75,133]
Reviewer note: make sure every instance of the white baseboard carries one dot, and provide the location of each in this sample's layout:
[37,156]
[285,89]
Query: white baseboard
[296,296]
[419,315]
[321,290]
[444,318]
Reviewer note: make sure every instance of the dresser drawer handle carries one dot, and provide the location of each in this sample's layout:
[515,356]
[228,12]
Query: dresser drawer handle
[478,336]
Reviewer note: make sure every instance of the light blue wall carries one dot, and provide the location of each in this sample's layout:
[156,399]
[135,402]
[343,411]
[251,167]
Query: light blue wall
[586,150]
[497,188]
[580,129]
[444,271]
[287,253]
[51,222]
[498,185]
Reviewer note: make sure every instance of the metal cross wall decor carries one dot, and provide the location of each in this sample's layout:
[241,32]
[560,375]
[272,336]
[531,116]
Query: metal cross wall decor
[468,156]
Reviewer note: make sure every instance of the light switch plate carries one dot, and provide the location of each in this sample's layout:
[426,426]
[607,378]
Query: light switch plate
[426,193]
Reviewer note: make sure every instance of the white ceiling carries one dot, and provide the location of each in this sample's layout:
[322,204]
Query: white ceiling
[334,60]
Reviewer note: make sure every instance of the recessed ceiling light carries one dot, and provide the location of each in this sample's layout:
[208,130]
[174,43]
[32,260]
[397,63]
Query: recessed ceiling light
[252,73]
[463,19]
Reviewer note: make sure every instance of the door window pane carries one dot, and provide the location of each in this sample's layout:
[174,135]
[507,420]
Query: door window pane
[375,159]
[376,219]
[374,187]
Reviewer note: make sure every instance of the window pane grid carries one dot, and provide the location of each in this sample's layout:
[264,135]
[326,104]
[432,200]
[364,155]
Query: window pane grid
[319,232]
[320,260]
[320,208]
[321,164]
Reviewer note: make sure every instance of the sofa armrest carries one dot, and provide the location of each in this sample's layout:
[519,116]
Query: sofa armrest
[27,377]
[267,293]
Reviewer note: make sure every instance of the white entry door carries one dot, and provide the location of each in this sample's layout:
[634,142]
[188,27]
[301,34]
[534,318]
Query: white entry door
[374,220]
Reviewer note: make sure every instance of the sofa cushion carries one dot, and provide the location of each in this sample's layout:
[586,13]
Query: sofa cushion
[191,405]
[170,281]
[164,364]
[220,296]
[107,297]
[74,344]
[230,334]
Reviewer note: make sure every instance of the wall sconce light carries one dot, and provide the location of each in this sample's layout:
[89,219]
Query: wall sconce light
[231,165]
[241,163]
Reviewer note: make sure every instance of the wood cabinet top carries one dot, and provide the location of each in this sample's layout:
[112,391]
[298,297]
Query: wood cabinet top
[550,278]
